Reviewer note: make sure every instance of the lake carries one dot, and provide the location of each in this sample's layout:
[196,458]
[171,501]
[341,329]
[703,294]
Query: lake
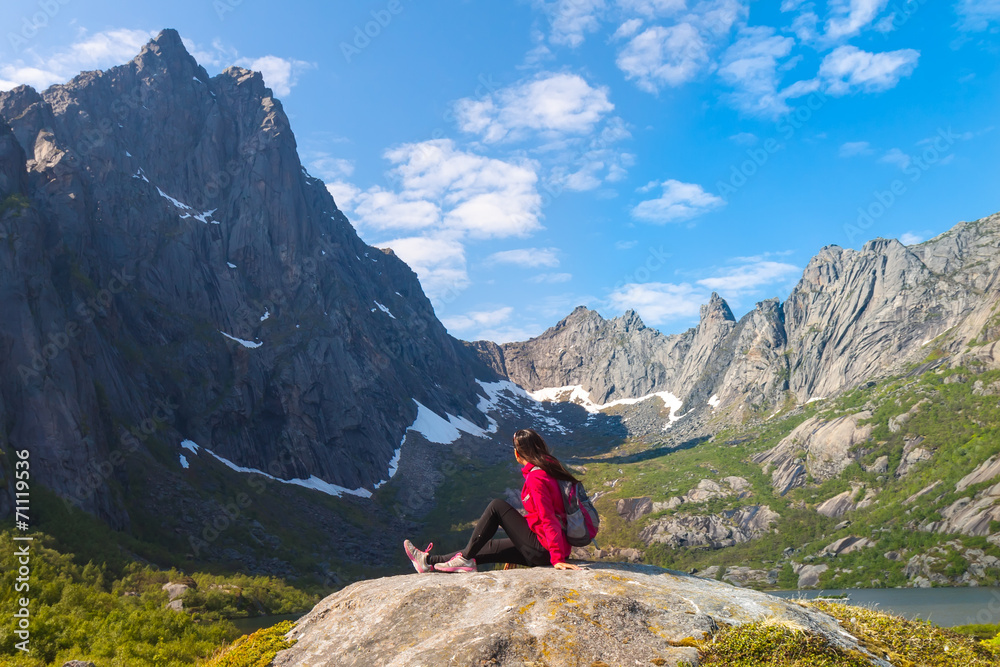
[942,606]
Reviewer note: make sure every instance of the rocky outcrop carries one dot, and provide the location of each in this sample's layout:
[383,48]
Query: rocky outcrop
[818,447]
[607,615]
[969,515]
[913,454]
[631,509]
[846,545]
[809,574]
[171,271]
[838,505]
[716,530]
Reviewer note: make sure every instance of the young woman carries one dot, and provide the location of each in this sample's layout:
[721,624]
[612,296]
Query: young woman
[536,538]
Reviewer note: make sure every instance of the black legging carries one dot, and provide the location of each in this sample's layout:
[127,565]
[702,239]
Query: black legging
[521,546]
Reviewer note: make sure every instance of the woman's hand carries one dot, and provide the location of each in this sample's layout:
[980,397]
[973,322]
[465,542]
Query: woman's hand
[566,566]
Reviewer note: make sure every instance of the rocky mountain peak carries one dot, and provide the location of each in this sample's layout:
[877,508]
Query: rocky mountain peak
[167,52]
[716,310]
[630,320]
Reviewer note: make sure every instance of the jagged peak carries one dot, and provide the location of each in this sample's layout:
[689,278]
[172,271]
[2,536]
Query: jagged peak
[717,309]
[631,320]
[167,52]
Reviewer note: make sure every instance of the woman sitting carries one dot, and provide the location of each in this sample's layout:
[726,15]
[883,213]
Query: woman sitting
[535,539]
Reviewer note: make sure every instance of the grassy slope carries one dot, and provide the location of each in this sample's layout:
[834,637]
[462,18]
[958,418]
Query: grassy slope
[962,430]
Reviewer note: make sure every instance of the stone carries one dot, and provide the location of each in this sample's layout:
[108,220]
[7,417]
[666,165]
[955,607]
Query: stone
[716,530]
[809,574]
[846,545]
[609,614]
[631,509]
[879,466]
[828,447]
[838,505]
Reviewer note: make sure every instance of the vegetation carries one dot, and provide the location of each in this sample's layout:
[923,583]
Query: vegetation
[901,642]
[90,612]
[256,650]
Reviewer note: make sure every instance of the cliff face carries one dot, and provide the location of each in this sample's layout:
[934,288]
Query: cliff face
[854,316]
[170,271]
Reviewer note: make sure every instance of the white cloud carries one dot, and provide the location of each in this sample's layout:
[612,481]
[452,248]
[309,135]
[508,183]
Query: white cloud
[658,303]
[625,245]
[750,276]
[551,278]
[573,19]
[852,148]
[483,318]
[849,17]
[98,51]
[664,56]
[896,157]
[331,168]
[554,104]
[679,201]
[442,186]
[280,74]
[909,238]
[527,257]
[744,138]
[847,69]
[383,209]
[345,194]
[510,334]
[976,15]
[627,29]
[652,8]
[750,66]
[439,262]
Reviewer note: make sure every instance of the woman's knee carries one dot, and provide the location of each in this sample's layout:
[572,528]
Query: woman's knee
[498,506]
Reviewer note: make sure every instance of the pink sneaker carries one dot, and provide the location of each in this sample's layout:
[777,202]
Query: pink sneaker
[458,563]
[418,557]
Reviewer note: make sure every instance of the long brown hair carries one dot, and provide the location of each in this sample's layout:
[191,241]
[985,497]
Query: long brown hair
[530,447]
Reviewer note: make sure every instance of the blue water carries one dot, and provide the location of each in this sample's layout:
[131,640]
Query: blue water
[942,606]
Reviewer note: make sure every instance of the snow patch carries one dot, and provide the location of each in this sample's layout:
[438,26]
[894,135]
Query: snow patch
[184,462]
[384,310]
[230,265]
[266,315]
[244,343]
[442,430]
[815,398]
[140,174]
[393,463]
[127,154]
[577,394]
[188,212]
[714,401]
[190,445]
[313,482]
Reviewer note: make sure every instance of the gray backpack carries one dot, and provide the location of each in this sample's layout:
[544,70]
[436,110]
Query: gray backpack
[581,522]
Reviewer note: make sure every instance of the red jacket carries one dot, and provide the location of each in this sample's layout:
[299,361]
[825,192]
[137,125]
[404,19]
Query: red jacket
[543,505]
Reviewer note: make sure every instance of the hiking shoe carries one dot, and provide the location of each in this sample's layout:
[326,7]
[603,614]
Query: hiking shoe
[458,563]
[418,557]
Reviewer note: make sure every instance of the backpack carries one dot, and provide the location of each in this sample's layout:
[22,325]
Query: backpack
[580,523]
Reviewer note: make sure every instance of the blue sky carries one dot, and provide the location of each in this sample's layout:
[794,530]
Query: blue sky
[529,157]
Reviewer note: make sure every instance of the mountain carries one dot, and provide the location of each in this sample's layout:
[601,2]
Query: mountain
[179,295]
[855,316]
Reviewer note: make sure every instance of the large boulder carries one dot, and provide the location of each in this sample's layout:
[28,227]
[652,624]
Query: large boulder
[610,614]
[818,447]
[714,530]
